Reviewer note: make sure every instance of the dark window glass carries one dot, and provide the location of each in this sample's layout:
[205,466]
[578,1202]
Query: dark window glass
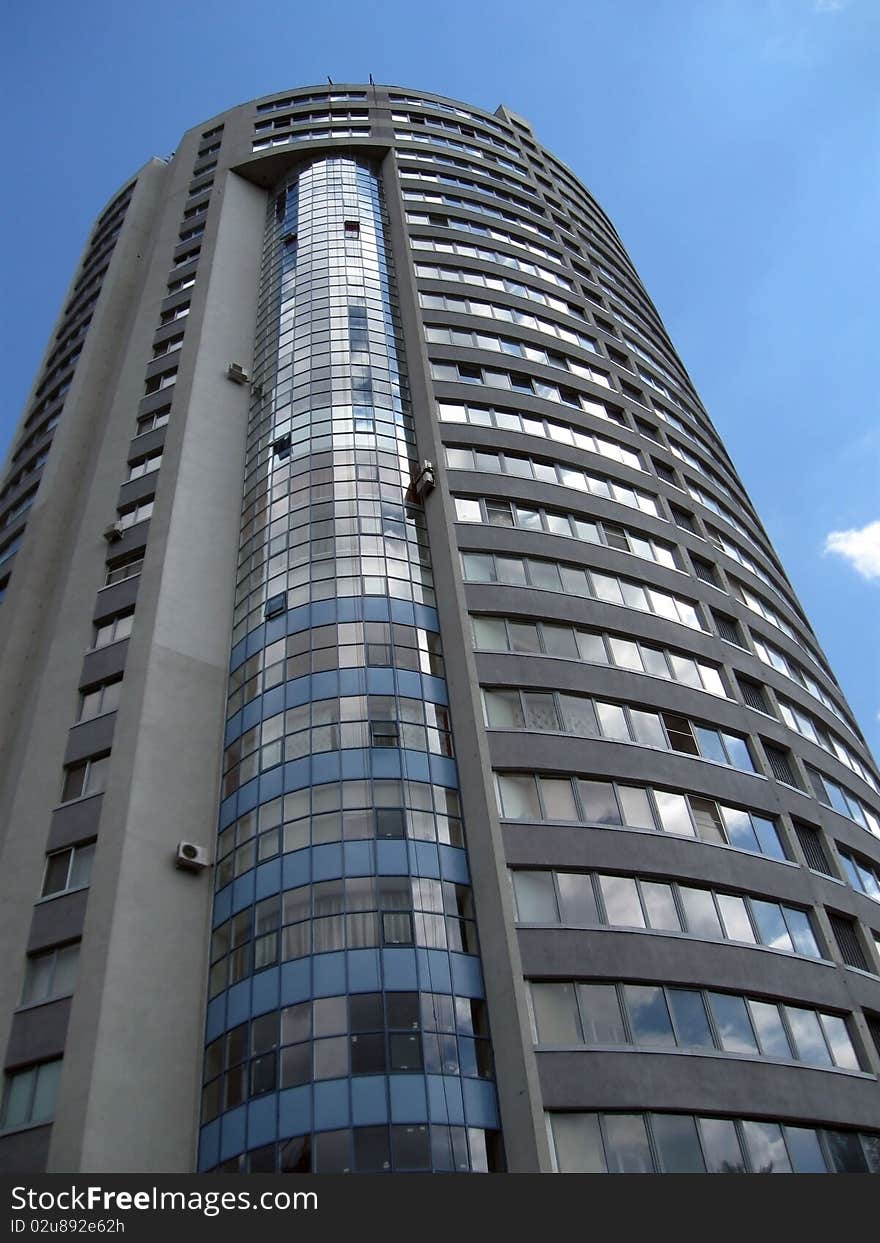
[296,1065]
[262,1160]
[411,1147]
[365,1012]
[406,1051]
[721,1146]
[689,1015]
[372,1151]
[677,1144]
[805,1150]
[263,1074]
[403,1010]
[648,1015]
[296,1155]
[332,1152]
[390,822]
[368,1054]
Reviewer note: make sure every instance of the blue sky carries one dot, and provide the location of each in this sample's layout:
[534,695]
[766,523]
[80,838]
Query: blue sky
[735,144]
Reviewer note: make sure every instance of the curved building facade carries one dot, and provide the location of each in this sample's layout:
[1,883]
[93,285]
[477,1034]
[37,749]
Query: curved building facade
[418,757]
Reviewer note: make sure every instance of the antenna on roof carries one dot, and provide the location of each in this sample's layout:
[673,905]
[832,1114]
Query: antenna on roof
[372,83]
[329,79]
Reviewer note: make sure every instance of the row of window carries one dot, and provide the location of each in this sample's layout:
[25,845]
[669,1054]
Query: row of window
[492,310]
[805,725]
[456,128]
[555,711]
[339,811]
[606,804]
[437,140]
[562,473]
[448,179]
[359,912]
[376,1150]
[500,634]
[334,1037]
[488,255]
[346,645]
[337,724]
[784,664]
[469,373]
[478,208]
[501,513]
[574,580]
[654,1143]
[832,794]
[696,1020]
[862,875]
[484,230]
[306,118]
[577,898]
[318,135]
[503,284]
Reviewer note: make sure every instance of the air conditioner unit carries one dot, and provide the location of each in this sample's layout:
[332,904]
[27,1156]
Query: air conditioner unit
[191,858]
[237,373]
[113,533]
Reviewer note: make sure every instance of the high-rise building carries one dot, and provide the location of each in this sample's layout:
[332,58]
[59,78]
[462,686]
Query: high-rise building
[414,756]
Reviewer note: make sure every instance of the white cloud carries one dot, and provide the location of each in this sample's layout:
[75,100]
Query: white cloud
[829,6]
[860,547]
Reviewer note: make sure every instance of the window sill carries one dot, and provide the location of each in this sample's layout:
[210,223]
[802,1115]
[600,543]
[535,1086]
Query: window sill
[62,893]
[27,1006]
[83,798]
[120,580]
[103,647]
[87,720]
[25,1126]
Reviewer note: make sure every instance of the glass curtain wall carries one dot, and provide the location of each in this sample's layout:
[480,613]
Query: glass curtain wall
[346,1024]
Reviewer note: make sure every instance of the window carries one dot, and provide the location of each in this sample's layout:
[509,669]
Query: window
[177,312]
[50,974]
[157,382]
[149,422]
[29,1097]
[168,346]
[133,514]
[276,605]
[127,567]
[145,465]
[99,699]
[112,630]
[68,869]
[84,778]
